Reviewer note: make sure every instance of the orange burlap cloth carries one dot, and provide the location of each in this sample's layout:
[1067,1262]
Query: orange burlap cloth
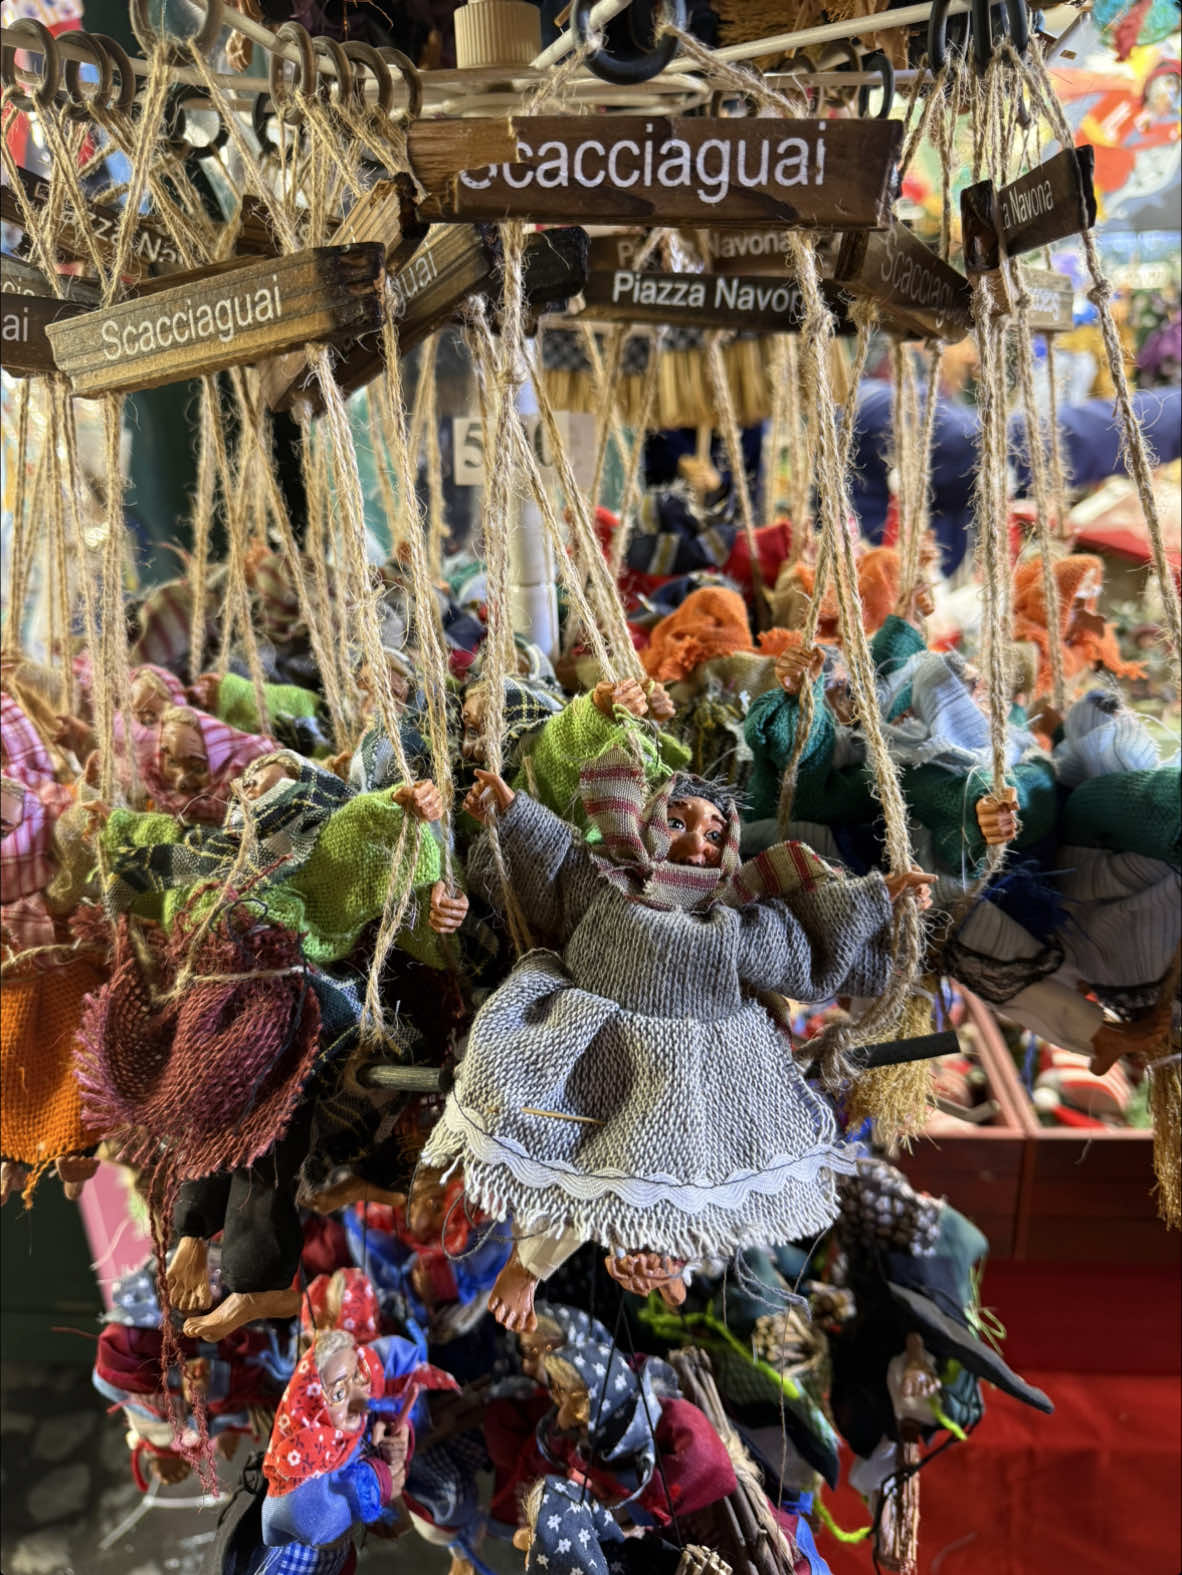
[40,1008]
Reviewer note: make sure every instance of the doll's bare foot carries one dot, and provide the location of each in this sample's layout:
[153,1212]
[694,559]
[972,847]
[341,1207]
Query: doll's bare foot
[461,1566]
[644,1272]
[12,1179]
[343,1194]
[239,1308]
[511,1300]
[168,1469]
[74,1174]
[188,1275]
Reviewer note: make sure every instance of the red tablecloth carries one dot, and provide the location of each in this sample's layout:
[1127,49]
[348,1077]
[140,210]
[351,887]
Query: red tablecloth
[1091,1490]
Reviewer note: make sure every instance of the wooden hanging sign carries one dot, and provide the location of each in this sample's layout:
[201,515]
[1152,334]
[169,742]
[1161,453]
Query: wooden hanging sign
[748,303]
[1052,300]
[576,169]
[204,325]
[1049,203]
[151,243]
[25,350]
[920,292]
[386,209]
[18,277]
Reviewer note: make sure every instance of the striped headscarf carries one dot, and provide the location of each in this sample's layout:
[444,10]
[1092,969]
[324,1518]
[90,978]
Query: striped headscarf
[634,852]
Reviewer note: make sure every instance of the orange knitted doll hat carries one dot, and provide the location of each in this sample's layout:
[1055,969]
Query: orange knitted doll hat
[710,622]
[879,575]
[1083,650]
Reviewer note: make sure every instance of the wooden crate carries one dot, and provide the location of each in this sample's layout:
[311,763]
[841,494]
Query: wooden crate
[1086,1196]
[980,1171]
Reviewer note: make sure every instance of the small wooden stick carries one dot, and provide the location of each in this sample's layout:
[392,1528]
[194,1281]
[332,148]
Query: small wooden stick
[559,1115]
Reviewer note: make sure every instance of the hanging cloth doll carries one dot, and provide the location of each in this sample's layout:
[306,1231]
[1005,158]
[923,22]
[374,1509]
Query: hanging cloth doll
[694,1133]
[710,622]
[196,759]
[327,1467]
[565,1532]
[1086,640]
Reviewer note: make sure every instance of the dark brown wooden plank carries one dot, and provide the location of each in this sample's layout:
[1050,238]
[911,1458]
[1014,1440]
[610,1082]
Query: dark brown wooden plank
[1049,203]
[198,327]
[151,243]
[18,277]
[747,303]
[1074,1238]
[25,350]
[829,174]
[919,290]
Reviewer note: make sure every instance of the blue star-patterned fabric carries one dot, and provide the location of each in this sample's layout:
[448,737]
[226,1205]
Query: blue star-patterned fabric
[571,1533]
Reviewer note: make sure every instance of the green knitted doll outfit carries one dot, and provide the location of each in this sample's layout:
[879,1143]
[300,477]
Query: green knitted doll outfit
[827,796]
[1128,812]
[340,888]
[236,703]
[944,803]
[892,647]
[549,770]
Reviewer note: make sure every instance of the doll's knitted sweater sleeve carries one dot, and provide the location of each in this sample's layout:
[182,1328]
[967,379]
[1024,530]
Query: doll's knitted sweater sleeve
[946,804]
[834,940]
[770,730]
[343,882]
[894,643]
[552,875]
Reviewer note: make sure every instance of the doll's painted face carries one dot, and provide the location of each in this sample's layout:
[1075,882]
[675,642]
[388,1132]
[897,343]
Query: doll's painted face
[699,831]
[149,699]
[269,775]
[399,686]
[472,743]
[573,1402]
[346,1382]
[184,765]
[535,1346]
[12,806]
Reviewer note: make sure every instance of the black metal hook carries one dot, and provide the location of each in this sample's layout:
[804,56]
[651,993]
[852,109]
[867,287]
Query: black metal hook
[939,41]
[876,60]
[627,70]
[984,42]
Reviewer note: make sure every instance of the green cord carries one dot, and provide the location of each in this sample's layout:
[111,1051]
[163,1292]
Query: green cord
[833,1528]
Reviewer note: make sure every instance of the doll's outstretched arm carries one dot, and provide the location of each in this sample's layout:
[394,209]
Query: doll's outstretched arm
[814,945]
[549,868]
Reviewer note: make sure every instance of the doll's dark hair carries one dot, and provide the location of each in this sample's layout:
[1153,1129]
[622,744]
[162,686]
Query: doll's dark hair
[721,794]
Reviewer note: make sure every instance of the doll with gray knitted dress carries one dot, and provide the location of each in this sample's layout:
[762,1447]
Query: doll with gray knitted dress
[630,1088]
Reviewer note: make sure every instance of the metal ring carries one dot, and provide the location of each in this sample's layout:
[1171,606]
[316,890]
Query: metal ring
[121,61]
[876,59]
[938,39]
[40,42]
[1019,19]
[307,71]
[176,122]
[409,73]
[983,36]
[338,89]
[626,70]
[367,58]
[202,40]
[81,104]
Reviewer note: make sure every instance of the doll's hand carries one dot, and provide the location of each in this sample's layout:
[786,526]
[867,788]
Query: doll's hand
[92,773]
[1145,1039]
[629,695]
[660,707]
[204,693]
[447,909]
[794,663]
[339,764]
[914,880]
[919,604]
[168,1469]
[423,801]
[997,816]
[491,793]
[96,816]
[392,1442]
